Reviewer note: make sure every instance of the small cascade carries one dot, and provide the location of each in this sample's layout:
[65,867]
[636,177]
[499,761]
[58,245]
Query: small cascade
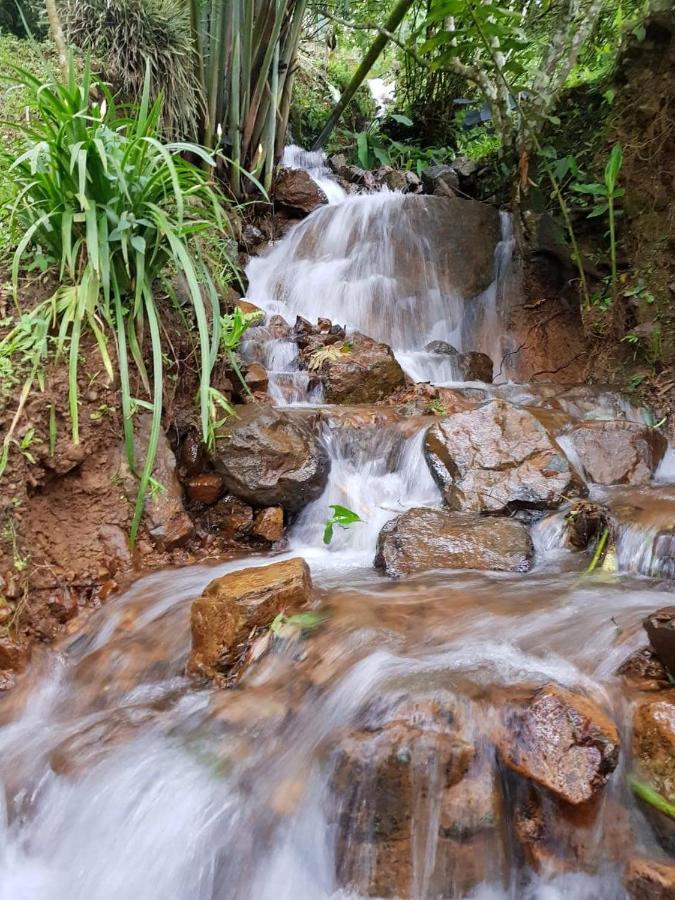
[375,472]
[373,264]
[313,162]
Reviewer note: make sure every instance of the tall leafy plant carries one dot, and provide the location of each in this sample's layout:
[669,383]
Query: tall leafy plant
[245,53]
[111,207]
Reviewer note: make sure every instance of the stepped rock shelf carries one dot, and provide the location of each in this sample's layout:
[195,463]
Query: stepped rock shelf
[441,703]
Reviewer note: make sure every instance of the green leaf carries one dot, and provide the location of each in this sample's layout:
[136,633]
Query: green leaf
[328,532]
[342,515]
[362,149]
[595,188]
[402,120]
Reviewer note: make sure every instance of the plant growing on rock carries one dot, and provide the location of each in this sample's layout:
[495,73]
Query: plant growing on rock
[112,207]
[331,353]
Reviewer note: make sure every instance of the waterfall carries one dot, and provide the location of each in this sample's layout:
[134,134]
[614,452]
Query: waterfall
[374,263]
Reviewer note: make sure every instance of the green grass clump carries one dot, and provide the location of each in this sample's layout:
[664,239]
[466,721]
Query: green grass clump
[110,208]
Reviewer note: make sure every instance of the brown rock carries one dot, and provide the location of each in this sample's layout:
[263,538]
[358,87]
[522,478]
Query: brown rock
[497,458]
[207,488]
[585,522]
[654,742]
[272,457]
[424,539]
[256,377]
[660,628]
[649,879]
[238,604]
[561,741]
[192,455]
[362,371]
[618,451]
[474,366]
[269,524]
[643,671]
[248,308]
[230,518]
[295,190]
[14,653]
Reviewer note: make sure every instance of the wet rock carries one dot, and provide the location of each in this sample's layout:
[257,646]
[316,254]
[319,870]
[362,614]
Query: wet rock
[192,455]
[235,606]
[618,451]
[498,458]
[474,366]
[441,180]
[14,653]
[256,377]
[663,552]
[271,457]
[660,628]
[562,741]
[555,838]
[584,523]
[249,308]
[269,524]
[424,539]
[650,879]
[394,778]
[360,371]
[644,671]
[230,518]
[297,191]
[441,347]
[654,743]
[207,488]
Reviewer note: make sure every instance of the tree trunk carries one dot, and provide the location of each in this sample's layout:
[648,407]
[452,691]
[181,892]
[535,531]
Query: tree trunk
[56,30]
[367,64]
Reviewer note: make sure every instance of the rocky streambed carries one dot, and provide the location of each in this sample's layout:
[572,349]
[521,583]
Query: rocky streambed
[453,698]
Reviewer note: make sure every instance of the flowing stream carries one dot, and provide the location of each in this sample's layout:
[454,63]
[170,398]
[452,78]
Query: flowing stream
[123,779]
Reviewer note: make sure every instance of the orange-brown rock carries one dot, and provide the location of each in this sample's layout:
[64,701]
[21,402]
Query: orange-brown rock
[269,524]
[297,191]
[230,518]
[618,451]
[497,458]
[256,377]
[561,741]
[644,671]
[14,653]
[654,742]
[207,488]
[649,879]
[238,604]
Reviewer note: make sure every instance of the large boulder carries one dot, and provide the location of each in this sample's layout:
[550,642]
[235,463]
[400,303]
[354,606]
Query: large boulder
[271,457]
[296,190]
[356,370]
[236,606]
[498,458]
[469,366]
[561,741]
[423,539]
[618,451]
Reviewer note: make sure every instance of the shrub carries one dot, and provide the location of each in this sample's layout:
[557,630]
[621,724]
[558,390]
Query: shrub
[123,36]
[110,208]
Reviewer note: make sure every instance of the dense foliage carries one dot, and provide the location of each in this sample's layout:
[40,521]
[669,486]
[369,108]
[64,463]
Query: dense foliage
[110,208]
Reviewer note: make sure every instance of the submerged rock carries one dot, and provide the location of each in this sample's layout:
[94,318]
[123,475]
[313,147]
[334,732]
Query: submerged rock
[660,628]
[423,539]
[618,451]
[498,458]
[355,370]
[562,741]
[296,190]
[235,606]
[271,457]
[650,879]
[391,780]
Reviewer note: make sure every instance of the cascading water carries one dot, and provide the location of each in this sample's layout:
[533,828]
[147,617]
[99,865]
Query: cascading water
[371,263]
[124,778]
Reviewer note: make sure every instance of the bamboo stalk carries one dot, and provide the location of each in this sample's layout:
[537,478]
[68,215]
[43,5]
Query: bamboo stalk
[394,20]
